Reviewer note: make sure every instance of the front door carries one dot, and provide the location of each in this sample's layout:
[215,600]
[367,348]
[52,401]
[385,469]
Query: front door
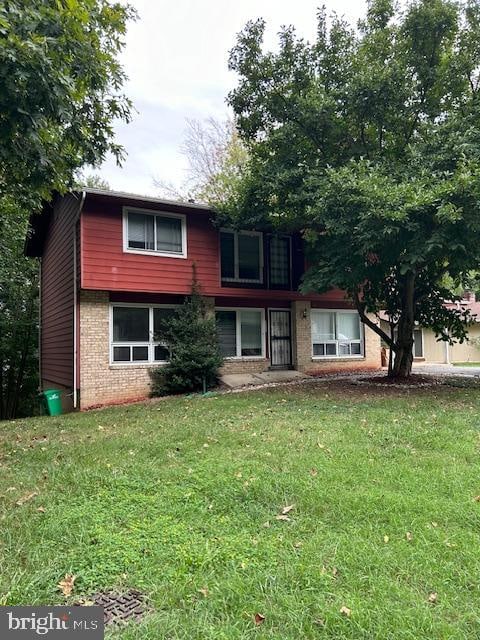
[280,338]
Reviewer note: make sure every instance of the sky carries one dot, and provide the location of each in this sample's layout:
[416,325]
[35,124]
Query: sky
[176,61]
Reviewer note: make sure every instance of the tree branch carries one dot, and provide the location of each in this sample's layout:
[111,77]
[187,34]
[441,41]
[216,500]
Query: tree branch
[360,306]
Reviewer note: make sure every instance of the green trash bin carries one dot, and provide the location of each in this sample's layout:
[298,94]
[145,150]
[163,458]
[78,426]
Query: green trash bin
[53,402]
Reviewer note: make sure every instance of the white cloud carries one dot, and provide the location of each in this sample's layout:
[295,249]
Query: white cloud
[176,59]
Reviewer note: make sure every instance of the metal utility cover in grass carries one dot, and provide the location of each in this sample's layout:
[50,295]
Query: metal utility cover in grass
[120,608]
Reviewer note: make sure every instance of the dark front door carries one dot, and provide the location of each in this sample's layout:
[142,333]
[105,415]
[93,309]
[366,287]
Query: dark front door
[280,339]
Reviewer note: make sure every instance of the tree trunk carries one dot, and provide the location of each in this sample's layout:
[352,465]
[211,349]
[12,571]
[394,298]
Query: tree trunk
[403,348]
[402,365]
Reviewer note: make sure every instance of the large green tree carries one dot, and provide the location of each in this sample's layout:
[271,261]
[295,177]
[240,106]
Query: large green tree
[61,89]
[60,92]
[368,141]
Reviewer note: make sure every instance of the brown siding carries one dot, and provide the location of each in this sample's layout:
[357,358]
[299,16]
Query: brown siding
[57,296]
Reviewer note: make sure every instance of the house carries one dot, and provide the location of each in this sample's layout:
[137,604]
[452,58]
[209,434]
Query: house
[427,349]
[112,264]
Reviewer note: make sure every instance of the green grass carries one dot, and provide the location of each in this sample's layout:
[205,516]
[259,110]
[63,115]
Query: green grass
[466,364]
[174,497]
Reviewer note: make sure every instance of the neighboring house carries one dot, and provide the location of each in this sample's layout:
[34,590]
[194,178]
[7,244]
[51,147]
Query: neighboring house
[428,349]
[112,264]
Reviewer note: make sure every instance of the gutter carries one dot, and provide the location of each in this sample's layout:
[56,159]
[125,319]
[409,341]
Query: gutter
[75,300]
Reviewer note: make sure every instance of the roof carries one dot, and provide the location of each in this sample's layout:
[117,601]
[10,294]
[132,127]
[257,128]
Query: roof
[471,305]
[125,195]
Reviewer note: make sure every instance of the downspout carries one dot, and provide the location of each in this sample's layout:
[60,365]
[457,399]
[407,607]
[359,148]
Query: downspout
[40,383]
[447,352]
[75,341]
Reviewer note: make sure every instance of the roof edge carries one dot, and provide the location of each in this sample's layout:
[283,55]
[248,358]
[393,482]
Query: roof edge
[125,195]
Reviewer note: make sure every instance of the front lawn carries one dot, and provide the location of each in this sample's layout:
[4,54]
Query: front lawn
[180,499]
[466,364]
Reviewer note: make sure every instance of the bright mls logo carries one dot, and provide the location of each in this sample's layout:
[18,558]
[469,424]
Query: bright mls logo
[77,623]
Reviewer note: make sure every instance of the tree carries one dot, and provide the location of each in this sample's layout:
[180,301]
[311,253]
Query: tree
[190,336]
[216,160]
[91,181]
[61,89]
[367,141]
[18,320]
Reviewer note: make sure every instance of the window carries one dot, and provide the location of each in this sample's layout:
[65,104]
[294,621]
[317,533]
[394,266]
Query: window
[279,263]
[240,332]
[155,233]
[417,343]
[336,334]
[241,254]
[136,334]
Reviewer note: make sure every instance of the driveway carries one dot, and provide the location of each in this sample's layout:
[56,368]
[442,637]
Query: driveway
[446,370]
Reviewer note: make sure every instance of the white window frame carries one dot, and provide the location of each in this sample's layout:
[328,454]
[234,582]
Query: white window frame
[151,344]
[236,261]
[238,332]
[156,214]
[337,356]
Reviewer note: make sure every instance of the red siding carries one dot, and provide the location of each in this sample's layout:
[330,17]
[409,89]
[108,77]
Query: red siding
[57,299]
[105,266]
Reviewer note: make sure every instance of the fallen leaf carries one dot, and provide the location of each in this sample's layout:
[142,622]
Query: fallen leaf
[286,510]
[434,524]
[477,498]
[282,517]
[409,536]
[386,539]
[41,509]
[259,619]
[346,611]
[85,602]
[433,597]
[313,472]
[26,498]
[297,545]
[66,585]
[266,524]
[203,591]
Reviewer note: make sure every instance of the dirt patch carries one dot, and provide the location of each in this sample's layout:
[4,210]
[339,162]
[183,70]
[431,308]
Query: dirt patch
[414,380]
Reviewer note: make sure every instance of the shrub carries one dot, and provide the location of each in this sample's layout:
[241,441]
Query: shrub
[191,337]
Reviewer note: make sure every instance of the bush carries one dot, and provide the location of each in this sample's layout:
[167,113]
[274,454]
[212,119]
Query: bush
[191,337]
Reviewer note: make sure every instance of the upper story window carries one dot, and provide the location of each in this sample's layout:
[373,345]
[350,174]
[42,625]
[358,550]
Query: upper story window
[242,256]
[161,234]
[279,263]
[336,334]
